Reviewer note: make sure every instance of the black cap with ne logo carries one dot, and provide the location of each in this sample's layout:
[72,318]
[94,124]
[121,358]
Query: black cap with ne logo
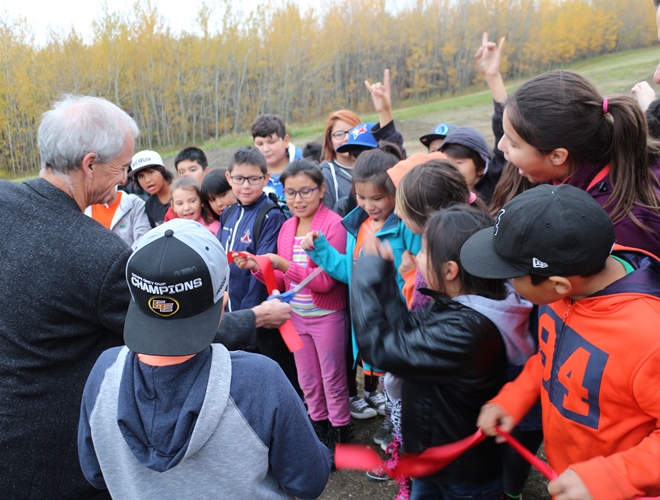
[177,276]
[545,231]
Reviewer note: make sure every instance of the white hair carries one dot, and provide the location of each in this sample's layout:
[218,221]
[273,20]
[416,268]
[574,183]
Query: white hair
[78,125]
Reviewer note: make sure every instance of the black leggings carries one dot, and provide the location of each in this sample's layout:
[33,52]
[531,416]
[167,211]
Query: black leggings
[370,381]
[516,468]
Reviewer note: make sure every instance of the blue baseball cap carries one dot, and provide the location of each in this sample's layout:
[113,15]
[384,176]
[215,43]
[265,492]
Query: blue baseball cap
[440,131]
[359,137]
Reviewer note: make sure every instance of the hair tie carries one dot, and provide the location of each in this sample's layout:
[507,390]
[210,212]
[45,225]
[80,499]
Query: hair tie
[606,105]
[472,198]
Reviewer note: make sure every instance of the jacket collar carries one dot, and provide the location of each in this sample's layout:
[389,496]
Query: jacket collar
[51,192]
[357,216]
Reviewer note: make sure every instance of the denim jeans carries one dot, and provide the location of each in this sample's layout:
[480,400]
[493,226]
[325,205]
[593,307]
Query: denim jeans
[423,490]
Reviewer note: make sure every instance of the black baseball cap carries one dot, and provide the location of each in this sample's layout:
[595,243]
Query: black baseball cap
[440,131]
[546,231]
[177,277]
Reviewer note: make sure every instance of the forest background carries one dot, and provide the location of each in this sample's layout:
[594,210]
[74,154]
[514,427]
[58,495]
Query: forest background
[191,88]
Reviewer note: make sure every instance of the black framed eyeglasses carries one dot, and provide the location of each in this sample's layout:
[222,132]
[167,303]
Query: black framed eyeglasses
[252,180]
[339,134]
[305,193]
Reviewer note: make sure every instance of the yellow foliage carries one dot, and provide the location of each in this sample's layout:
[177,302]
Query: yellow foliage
[189,87]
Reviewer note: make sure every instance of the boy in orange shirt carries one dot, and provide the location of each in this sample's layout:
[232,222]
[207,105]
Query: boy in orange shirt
[598,366]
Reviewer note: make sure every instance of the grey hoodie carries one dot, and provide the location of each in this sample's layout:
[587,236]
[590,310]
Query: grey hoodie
[511,317]
[220,425]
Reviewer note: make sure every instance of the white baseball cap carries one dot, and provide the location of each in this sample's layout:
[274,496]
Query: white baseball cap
[145,159]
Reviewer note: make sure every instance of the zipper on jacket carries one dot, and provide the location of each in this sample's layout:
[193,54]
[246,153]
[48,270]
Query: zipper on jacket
[559,339]
[231,241]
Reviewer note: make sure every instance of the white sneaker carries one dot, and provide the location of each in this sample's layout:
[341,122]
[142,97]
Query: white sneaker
[377,401]
[360,409]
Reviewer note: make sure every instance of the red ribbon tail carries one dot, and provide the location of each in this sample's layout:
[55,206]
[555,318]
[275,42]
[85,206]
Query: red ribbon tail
[290,336]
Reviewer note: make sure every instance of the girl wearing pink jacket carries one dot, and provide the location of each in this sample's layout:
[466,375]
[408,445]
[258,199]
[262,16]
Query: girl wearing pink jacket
[318,310]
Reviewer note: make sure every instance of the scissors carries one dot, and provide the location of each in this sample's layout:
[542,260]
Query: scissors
[287,296]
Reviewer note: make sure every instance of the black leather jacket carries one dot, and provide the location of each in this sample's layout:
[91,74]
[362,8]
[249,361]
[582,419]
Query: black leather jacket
[452,361]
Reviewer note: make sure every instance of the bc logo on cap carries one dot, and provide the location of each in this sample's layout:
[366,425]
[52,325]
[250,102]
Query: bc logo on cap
[442,129]
[163,306]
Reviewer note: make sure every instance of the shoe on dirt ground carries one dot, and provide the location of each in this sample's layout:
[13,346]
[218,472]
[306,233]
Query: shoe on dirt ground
[377,401]
[360,409]
[384,434]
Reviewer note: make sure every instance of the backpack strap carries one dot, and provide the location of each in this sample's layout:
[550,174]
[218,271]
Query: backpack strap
[259,221]
[227,213]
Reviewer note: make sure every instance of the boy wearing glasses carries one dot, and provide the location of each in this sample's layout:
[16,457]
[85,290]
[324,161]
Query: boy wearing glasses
[252,225]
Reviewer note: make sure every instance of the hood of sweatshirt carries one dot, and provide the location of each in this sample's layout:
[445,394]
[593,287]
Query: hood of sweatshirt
[511,317]
[160,407]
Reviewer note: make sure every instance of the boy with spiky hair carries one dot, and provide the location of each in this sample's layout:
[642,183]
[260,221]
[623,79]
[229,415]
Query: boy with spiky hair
[270,137]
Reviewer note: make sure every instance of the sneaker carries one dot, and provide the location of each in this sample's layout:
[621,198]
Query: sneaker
[385,443]
[384,433]
[360,409]
[377,401]
[377,474]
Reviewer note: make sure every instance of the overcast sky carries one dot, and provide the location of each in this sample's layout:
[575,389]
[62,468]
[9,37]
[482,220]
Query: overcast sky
[42,14]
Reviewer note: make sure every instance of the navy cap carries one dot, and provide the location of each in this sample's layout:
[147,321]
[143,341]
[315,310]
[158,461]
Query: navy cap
[470,138]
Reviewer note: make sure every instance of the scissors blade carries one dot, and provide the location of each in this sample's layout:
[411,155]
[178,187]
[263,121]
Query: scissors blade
[306,281]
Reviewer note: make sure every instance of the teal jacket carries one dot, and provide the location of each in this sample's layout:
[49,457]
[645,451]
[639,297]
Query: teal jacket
[340,266]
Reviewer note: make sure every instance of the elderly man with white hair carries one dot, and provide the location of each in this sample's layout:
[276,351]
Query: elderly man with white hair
[64,295]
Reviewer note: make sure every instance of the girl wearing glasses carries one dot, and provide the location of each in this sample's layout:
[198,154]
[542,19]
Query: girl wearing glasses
[337,167]
[318,310]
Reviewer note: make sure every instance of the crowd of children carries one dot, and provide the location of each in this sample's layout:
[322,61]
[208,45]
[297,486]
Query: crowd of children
[416,254]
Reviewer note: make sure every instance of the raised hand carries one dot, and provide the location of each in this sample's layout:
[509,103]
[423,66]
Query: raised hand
[489,56]
[644,94]
[381,96]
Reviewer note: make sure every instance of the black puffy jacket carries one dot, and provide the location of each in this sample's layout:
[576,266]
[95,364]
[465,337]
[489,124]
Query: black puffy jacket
[451,359]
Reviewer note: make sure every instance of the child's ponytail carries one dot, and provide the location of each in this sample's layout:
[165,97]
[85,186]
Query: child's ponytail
[633,182]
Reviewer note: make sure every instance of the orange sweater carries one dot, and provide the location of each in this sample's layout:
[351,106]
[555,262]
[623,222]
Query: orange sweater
[597,373]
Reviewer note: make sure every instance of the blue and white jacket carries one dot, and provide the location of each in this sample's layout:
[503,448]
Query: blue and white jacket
[274,185]
[236,235]
[205,428]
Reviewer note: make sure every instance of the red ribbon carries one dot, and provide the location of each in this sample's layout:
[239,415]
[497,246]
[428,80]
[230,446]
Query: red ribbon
[288,332]
[349,456]
[359,457]
[536,462]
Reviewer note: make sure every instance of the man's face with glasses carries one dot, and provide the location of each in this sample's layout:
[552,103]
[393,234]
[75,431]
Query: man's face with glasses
[247,182]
